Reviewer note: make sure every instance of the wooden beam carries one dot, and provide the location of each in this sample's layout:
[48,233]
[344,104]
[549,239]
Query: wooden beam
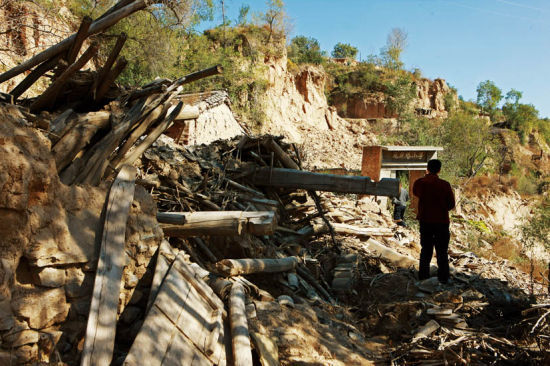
[235,267]
[81,35]
[165,257]
[100,331]
[110,78]
[361,231]
[240,340]
[48,97]
[34,76]
[102,75]
[187,224]
[298,179]
[214,70]
[96,27]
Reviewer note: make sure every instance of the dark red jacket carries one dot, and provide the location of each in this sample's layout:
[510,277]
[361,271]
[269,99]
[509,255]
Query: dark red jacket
[435,199]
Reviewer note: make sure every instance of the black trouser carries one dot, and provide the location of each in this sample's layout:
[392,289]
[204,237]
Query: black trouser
[434,235]
[399,212]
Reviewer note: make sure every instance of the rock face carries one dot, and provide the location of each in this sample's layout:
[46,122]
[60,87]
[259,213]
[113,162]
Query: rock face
[430,97]
[297,108]
[296,102]
[49,247]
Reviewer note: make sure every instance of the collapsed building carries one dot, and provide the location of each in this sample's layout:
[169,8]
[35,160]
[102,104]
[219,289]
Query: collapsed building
[150,225]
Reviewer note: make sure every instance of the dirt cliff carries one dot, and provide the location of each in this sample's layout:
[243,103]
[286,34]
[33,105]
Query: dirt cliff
[26,29]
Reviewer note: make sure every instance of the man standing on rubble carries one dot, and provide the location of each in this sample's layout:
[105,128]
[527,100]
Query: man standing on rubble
[435,200]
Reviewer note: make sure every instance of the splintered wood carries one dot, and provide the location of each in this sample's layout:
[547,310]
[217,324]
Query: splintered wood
[100,331]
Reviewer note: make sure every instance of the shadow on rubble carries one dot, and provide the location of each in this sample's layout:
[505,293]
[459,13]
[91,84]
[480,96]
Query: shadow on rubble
[392,307]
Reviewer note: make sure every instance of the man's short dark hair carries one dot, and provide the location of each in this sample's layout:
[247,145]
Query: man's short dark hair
[434,166]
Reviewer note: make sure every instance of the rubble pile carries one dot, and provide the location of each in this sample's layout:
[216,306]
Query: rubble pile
[120,245]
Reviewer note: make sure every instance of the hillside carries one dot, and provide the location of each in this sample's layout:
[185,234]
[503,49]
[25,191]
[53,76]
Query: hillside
[186,217]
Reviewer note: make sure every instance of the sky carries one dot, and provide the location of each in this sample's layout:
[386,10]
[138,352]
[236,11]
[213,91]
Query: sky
[462,41]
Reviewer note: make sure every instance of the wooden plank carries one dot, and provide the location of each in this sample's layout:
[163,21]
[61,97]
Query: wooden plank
[105,85]
[297,179]
[100,331]
[152,136]
[183,325]
[165,257]
[396,258]
[242,352]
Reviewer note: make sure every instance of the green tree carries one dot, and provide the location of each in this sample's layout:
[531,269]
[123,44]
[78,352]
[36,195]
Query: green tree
[304,49]
[488,97]
[243,15]
[344,50]
[156,38]
[521,117]
[468,143]
[275,18]
[396,43]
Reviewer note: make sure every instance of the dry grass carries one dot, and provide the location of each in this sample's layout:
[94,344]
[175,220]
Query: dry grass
[484,185]
[506,248]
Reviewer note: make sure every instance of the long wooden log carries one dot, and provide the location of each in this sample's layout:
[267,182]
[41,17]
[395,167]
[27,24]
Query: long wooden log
[81,35]
[361,231]
[34,76]
[186,224]
[235,267]
[240,340]
[96,27]
[110,78]
[396,258]
[48,97]
[211,71]
[286,160]
[118,5]
[297,179]
[100,331]
[102,75]
[76,139]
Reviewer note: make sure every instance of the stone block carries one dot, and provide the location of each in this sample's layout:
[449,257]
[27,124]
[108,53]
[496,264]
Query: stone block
[20,338]
[75,286]
[27,353]
[6,316]
[41,308]
[51,277]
